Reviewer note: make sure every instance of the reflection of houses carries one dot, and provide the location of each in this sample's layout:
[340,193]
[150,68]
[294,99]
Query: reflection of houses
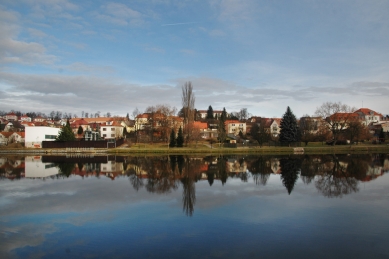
[275,165]
[11,168]
[34,168]
[236,167]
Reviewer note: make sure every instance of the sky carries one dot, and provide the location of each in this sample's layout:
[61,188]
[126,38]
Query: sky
[115,56]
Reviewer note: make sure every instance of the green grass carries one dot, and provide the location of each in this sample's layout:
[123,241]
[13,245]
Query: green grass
[203,148]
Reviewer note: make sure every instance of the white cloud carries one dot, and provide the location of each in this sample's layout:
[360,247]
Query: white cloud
[120,14]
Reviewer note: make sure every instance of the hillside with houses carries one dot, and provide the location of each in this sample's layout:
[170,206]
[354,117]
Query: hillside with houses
[156,125]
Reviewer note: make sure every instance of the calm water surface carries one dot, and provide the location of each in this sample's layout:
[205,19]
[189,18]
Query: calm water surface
[329,206]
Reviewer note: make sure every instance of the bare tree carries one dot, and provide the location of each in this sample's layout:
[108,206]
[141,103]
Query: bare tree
[188,105]
[135,113]
[337,116]
[243,114]
[160,119]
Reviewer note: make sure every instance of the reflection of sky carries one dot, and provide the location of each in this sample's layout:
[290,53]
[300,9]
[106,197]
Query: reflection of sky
[93,217]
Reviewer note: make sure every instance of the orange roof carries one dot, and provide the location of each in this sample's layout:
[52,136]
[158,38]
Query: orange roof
[200,125]
[6,134]
[367,111]
[79,122]
[343,115]
[22,134]
[143,115]
[232,121]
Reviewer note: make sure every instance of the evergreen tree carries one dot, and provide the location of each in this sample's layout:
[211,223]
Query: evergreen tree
[125,133]
[180,138]
[66,133]
[289,172]
[80,130]
[382,135]
[289,130]
[224,114]
[210,112]
[221,130]
[172,139]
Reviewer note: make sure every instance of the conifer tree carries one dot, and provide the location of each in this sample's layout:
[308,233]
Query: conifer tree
[210,112]
[224,114]
[66,133]
[382,136]
[80,130]
[221,131]
[172,139]
[289,172]
[180,138]
[289,128]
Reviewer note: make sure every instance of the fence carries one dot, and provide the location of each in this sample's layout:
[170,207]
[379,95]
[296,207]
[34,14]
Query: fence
[82,144]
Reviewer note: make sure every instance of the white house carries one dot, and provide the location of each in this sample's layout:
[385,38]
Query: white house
[25,118]
[11,117]
[204,113]
[17,137]
[111,130]
[235,126]
[275,127]
[4,138]
[35,135]
[368,116]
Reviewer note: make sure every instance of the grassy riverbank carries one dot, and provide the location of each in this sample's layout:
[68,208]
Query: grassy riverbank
[205,148]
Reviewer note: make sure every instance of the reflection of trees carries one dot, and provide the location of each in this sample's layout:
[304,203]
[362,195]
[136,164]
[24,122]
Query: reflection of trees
[65,169]
[260,170]
[190,176]
[222,169]
[188,195]
[335,181]
[290,168]
[310,166]
[160,177]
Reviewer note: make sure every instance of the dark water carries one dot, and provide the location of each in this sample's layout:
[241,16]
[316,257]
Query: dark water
[195,207]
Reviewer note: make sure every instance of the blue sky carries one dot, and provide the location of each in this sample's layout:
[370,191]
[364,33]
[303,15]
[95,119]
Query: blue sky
[115,56]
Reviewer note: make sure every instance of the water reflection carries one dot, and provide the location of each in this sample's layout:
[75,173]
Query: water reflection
[332,175]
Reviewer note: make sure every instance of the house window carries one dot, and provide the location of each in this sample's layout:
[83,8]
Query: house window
[50,136]
[112,135]
[104,135]
[112,129]
[104,129]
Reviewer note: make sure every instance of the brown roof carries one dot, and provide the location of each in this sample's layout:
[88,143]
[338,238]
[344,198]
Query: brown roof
[6,134]
[367,111]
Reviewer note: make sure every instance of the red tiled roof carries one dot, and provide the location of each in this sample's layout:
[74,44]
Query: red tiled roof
[343,115]
[232,121]
[200,125]
[22,134]
[367,111]
[6,134]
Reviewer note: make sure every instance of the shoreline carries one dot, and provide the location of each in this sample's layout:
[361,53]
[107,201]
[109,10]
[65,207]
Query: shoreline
[201,150]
